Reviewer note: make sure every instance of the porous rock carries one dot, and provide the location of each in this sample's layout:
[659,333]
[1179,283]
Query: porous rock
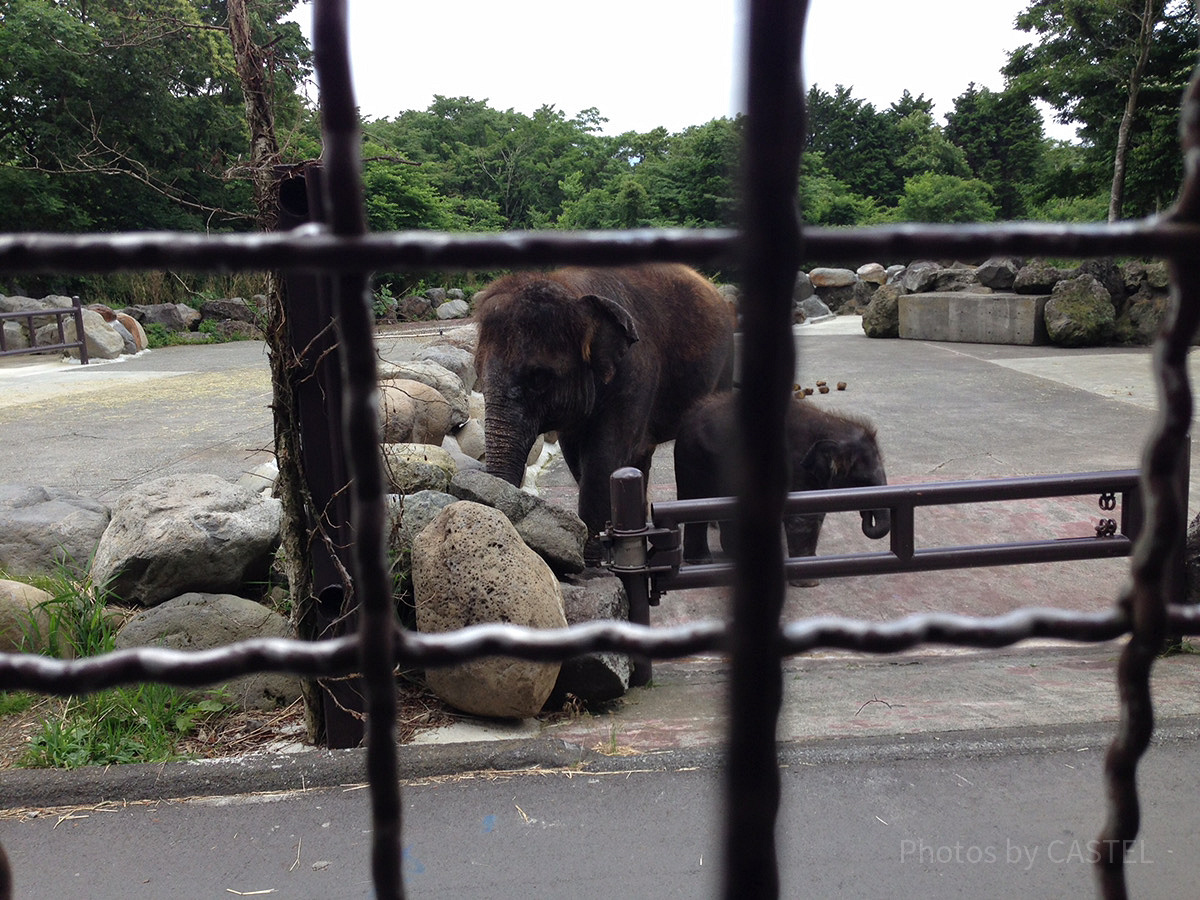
[417,467]
[200,621]
[470,566]
[184,533]
[42,528]
[557,535]
[881,318]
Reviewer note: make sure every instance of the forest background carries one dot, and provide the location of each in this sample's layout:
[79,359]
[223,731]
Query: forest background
[124,116]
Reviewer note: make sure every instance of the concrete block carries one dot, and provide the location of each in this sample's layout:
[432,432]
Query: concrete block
[974,318]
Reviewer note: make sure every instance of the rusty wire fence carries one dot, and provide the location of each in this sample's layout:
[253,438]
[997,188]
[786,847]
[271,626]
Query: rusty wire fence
[767,250]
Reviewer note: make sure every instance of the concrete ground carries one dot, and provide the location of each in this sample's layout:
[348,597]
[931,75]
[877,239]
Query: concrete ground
[943,411]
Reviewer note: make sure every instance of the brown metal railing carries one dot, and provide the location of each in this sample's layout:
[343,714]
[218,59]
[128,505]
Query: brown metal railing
[75,310]
[768,249]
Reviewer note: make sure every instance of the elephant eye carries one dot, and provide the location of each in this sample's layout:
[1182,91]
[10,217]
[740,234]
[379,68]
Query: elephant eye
[539,380]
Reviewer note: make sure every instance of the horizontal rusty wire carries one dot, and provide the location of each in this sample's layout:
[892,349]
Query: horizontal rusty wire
[339,656]
[312,248]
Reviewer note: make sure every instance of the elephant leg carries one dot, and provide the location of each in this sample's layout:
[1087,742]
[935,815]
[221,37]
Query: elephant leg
[695,543]
[802,533]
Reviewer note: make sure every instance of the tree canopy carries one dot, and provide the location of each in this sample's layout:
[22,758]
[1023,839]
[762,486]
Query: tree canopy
[124,116]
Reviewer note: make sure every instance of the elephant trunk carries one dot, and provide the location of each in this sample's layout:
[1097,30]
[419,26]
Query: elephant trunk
[507,442]
[876,523]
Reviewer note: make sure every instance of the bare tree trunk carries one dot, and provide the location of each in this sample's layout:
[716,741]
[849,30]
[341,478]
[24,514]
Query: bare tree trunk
[1151,11]
[290,484]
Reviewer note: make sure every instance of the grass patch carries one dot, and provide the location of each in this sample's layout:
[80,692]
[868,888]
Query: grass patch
[130,724]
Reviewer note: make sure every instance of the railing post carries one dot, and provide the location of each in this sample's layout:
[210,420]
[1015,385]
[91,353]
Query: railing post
[80,336]
[627,494]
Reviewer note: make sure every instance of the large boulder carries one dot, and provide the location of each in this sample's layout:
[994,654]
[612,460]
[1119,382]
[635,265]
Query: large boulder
[999,272]
[557,535]
[199,621]
[919,277]
[186,533]
[437,377]
[881,318]
[469,566]
[1039,277]
[103,341]
[457,359]
[1080,313]
[171,316]
[412,412]
[42,529]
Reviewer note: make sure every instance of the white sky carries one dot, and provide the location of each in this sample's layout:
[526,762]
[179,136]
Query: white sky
[645,63]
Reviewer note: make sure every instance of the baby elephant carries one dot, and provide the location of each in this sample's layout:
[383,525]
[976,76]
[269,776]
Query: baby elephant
[828,450]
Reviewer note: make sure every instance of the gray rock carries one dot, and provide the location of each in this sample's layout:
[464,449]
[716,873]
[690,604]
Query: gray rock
[1080,313]
[199,621]
[814,308]
[557,535]
[171,316]
[462,461]
[594,677]
[1038,277]
[959,278]
[895,273]
[186,533]
[999,272]
[459,360]
[410,468]
[15,335]
[1143,317]
[437,377]
[470,566]
[44,528]
[881,318]
[436,295]
[234,308]
[803,288]
[453,309]
[413,308]
[261,477]
[920,276]
[416,511]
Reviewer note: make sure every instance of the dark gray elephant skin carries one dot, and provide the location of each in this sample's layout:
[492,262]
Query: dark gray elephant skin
[609,358]
[827,450]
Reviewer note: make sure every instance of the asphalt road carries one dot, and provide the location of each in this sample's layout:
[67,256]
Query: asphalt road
[1003,826]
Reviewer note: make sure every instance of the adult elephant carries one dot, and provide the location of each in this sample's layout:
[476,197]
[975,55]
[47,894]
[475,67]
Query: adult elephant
[827,450]
[609,358]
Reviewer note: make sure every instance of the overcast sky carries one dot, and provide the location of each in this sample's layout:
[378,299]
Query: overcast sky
[645,63]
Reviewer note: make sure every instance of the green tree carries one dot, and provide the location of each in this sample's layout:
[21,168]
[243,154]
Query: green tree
[858,142]
[124,116]
[1109,65]
[946,198]
[1000,134]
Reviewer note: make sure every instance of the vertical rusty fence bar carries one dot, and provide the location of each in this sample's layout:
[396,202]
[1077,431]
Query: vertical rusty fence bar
[356,330]
[769,257]
[1160,545]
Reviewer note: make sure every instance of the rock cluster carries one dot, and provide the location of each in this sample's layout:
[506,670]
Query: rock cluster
[193,554]
[1099,302]
[112,333]
[437,303]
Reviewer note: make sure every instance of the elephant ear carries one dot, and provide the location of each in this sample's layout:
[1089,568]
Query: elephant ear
[820,463]
[611,331]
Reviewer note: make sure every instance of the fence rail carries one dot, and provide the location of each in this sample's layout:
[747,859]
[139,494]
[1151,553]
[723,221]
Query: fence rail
[75,310]
[768,250]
